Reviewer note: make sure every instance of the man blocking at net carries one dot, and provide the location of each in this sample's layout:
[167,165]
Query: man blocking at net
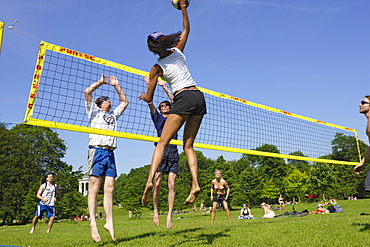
[47,196]
[170,159]
[365,109]
[101,161]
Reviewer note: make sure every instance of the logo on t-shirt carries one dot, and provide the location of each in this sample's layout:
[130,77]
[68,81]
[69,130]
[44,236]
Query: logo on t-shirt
[109,118]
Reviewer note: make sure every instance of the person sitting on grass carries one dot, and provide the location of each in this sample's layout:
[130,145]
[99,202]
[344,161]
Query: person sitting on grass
[268,213]
[245,213]
[320,210]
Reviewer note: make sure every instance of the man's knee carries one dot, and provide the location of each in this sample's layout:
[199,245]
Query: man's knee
[171,185]
[157,185]
[109,189]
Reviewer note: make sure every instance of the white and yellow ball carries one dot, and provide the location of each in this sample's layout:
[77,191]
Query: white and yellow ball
[176,4]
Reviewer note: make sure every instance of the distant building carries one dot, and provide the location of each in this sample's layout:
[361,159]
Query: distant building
[83,185]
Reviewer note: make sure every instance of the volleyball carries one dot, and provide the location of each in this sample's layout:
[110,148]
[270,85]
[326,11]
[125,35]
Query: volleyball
[176,4]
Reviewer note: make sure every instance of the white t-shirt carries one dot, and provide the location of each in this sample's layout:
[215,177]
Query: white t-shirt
[102,120]
[175,71]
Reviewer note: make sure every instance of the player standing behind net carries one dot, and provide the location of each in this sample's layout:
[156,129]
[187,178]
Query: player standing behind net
[170,161]
[101,161]
[189,104]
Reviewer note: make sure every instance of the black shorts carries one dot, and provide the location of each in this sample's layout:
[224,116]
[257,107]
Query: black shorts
[219,197]
[170,161]
[189,102]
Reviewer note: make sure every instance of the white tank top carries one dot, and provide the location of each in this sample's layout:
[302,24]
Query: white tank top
[48,193]
[175,71]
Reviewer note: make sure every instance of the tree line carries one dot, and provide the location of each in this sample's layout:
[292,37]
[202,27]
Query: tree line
[254,179]
[28,153]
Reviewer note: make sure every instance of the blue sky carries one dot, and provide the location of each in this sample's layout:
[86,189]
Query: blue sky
[309,57]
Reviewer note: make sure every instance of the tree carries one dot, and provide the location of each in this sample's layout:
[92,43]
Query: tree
[322,178]
[271,166]
[270,190]
[69,201]
[248,183]
[28,153]
[344,148]
[295,184]
[130,188]
[301,165]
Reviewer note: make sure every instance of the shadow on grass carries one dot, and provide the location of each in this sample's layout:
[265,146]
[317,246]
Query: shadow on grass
[149,234]
[366,227]
[205,238]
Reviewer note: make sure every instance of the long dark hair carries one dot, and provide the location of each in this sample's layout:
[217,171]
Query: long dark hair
[163,43]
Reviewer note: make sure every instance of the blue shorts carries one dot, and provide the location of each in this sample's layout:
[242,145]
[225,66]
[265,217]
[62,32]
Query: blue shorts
[189,102]
[170,161]
[41,209]
[101,162]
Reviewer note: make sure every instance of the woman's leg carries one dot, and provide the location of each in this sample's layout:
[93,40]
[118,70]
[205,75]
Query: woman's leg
[226,207]
[214,208]
[172,125]
[190,132]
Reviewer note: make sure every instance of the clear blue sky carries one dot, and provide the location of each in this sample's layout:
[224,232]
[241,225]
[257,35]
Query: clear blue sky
[309,57]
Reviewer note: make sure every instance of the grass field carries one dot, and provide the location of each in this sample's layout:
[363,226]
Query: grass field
[338,229]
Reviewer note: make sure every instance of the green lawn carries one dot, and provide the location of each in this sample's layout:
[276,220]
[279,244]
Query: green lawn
[337,229]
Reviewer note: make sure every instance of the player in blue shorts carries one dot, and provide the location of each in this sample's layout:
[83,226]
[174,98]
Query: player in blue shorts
[170,159]
[47,196]
[101,161]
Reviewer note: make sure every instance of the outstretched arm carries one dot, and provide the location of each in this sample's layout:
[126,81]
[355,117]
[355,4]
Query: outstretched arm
[163,85]
[165,88]
[155,72]
[88,91]
[121,94]
[186,26]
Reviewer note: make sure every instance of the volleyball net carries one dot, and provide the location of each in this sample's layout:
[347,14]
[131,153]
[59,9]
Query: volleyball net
[231,124]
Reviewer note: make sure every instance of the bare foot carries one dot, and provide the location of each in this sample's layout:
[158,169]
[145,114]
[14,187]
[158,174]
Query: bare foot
[192,196]
[146,196]
[156,219]
[169,221]
[32,230]
[111,231]
[95,234]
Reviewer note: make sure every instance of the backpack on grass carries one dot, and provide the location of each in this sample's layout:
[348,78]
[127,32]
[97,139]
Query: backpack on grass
[331,209]
[338,209]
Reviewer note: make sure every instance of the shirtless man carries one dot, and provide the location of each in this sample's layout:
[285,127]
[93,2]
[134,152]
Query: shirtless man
[365,109]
